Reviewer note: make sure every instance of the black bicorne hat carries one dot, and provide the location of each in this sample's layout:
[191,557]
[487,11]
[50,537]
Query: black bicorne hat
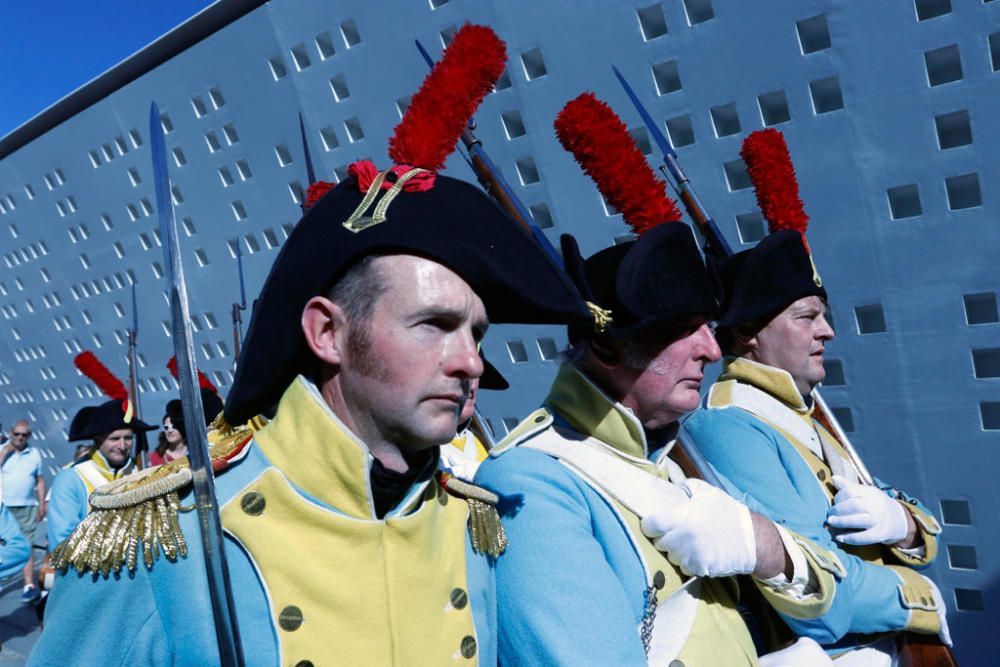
[761,282]
[107,417]
[211,406]
[452,223]
[79,422]
[659,277]
[492,378]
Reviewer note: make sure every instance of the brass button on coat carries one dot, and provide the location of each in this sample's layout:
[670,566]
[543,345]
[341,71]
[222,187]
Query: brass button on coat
[290,618]
[468,646]
[304,663]
[659,580]
[676,663]
[821,475]
[459,598]
[253,503]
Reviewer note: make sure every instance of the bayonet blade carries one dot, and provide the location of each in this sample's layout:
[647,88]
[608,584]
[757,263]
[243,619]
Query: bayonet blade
[223,609]
[654,130]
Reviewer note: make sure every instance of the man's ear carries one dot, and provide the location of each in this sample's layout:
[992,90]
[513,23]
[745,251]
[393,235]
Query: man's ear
[324,325]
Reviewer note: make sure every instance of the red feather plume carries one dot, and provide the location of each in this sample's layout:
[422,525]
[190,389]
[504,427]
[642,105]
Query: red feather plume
[105,380]
[773,174]
[203,381]
[441,109]
[590,130]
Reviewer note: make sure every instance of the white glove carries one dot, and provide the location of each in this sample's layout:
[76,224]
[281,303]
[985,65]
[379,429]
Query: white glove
[803,653]
[942,612]
[867,509]
[708,535]
[455,462]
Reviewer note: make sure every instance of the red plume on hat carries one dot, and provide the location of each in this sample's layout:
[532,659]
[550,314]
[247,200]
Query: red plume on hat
[105,380]
[598,139]
[440,111]
[203,381]
[773,175]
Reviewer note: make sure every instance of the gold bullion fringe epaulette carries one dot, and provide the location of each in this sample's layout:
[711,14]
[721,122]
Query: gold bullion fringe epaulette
[141,510]
[485,527]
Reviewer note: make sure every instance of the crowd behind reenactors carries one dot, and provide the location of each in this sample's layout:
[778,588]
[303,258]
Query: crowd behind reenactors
[366,523]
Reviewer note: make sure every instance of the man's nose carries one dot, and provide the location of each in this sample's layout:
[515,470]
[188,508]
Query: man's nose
[464,359]
[708,347]
[824,331]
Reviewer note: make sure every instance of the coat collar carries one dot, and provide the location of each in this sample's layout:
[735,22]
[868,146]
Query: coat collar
[313,448]
[589,410]
[774,381]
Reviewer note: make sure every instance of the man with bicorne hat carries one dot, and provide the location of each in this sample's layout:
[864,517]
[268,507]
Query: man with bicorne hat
[615,557]
[342,541]
[759,431]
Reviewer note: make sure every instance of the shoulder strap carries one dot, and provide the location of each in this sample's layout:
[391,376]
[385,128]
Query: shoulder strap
[764,406]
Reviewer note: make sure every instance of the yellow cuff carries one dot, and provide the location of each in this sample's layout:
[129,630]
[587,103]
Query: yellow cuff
[915,594]
[929,529]
[823,566]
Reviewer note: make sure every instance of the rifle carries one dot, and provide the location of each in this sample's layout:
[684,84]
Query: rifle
[142,443]
[914,650]
[214,548]
[238,308]
[494,183]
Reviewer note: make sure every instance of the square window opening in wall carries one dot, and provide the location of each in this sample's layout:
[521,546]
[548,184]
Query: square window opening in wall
[774,108]
[135,138]
[199,107]
[652,22]
[201,257]
[904,202]
[300,57]
[338,85]
[641,138]
[188,226]
[277,67]
[513,125]
[953,129]
[944,65]
[956,512]
[986,363]
[243,169]
[533,63]
[239,210]
[437,3]
[503,83]
[968,599]
[283,155]
[994,42]
[402,104]
[963,192]
[541,215]
[698,11]
[826,95]
[329,138]
[270,239]
[750,227]
[175,194]
[324,46]
[296,192]
[962,557]
[725,119]
[680,131]
[509,423]
[212,141]
[737,177]
[349,31]
[229,132]
[354,130]
[165,123]
[834,369]
[981,308]
[29,191]
[216,98]
[225,176]
[666,76]
[929,9]
[814,34]
[870,319]
[527,171]
[516,350]
[252,244]
[845,417]
[447,35]
[989,414]
[547,349]
[179,158]
[95,159]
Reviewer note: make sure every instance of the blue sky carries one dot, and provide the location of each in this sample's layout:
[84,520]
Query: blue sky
[51,48]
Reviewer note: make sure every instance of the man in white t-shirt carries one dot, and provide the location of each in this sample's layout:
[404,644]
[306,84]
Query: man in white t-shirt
[24,493]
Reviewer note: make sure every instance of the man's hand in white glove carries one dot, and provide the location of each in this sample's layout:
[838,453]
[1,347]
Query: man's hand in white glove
[876,518]
[709,534]
[803,653]
[942,612]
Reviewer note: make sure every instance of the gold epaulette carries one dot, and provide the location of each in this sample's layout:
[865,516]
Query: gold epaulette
[141,509]
[485,528]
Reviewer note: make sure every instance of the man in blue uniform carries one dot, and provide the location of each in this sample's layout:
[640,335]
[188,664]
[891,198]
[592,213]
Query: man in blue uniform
[110,458]
[606,531]
[343,545]
[758,431]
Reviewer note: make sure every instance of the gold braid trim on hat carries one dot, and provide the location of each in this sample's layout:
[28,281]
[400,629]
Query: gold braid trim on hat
[816,277]
[485,527]
[358,220]
[142,509]
[602,317]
